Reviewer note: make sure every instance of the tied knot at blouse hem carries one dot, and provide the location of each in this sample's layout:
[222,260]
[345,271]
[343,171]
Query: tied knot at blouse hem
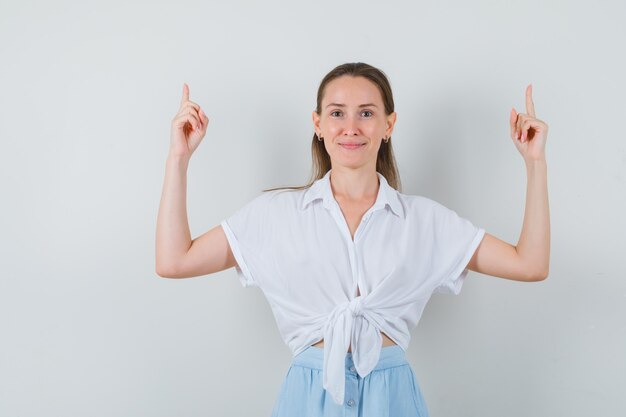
[296,246]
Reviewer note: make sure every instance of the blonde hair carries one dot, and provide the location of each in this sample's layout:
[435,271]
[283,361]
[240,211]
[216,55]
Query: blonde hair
[385,162]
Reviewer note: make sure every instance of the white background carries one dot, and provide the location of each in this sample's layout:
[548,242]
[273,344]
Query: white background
[87,94]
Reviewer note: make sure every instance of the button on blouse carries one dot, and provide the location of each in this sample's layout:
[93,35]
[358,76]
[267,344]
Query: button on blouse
[296,246]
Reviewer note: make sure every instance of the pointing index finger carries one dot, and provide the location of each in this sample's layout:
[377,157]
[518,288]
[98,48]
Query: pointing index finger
[530,106]
[185,93]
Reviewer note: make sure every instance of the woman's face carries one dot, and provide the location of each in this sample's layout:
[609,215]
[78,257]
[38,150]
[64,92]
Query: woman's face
[353,121]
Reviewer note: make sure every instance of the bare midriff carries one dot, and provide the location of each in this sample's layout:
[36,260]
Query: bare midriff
[386,342]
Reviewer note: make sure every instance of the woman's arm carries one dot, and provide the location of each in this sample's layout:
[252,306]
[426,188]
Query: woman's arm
[176,254]
[530,259]
[173,237]
[533,245]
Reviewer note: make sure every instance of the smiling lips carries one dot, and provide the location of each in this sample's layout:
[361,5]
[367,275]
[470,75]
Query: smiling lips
[348,145]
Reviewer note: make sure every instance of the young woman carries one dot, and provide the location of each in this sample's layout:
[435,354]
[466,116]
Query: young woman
[348,262]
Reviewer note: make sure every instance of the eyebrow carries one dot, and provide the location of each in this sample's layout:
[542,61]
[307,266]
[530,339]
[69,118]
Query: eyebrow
[343,105]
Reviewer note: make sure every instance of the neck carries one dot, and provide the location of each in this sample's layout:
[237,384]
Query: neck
[354,184]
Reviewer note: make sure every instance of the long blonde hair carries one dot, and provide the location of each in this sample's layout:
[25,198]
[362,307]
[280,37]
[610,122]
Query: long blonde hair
[385,162]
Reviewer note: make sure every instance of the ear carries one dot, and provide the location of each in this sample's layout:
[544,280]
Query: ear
[391,121]
[316,121]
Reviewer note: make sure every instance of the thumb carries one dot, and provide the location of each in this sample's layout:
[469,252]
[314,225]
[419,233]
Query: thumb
[513,117]
[512,121]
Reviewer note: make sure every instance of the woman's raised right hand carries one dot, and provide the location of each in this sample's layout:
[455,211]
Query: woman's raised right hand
[188,127]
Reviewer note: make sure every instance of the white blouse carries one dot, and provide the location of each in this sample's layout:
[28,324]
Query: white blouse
[295,245]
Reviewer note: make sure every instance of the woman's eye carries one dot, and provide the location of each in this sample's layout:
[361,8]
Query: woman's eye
[367,113]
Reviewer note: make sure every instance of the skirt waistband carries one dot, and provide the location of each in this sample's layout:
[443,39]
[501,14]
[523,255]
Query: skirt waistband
[313,357]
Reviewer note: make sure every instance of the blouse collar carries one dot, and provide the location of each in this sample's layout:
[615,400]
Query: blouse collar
[321,189]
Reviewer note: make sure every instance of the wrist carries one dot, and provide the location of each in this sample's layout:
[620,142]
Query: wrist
[536,163]
[177,160]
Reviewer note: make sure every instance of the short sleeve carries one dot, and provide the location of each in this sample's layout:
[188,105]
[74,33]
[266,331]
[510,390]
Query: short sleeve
[245,231]
[456,240]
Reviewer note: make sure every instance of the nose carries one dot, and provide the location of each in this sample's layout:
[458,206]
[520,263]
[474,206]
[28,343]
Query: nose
[351,127]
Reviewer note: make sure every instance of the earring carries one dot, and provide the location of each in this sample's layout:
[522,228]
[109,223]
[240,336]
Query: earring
[319,137]
[386,140]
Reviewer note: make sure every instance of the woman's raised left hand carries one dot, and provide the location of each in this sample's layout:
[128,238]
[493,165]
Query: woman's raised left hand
[529,133]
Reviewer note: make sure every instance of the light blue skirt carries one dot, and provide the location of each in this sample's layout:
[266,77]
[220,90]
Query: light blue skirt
[390,390]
